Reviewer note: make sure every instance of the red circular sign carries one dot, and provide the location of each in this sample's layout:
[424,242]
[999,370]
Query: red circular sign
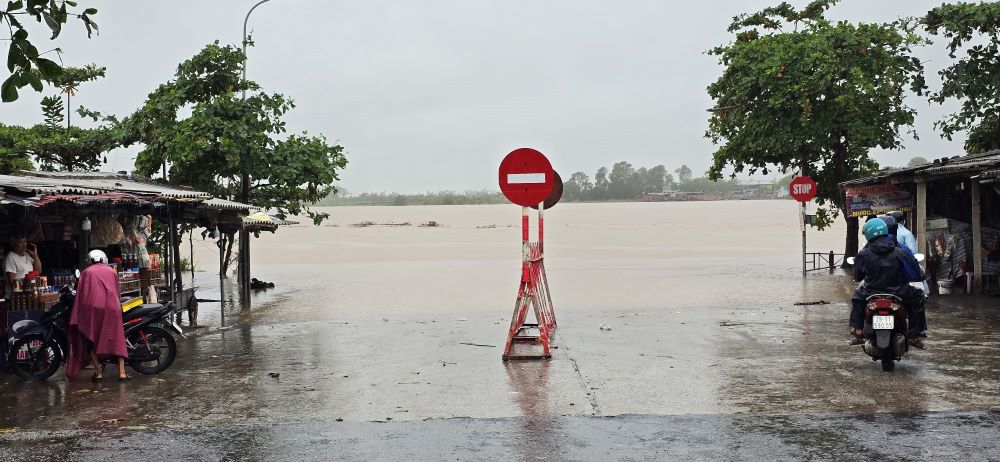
[802,189]
[526,177]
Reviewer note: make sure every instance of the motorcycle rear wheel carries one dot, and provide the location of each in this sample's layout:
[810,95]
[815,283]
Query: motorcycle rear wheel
[156,337]
[888,360]
[43,361]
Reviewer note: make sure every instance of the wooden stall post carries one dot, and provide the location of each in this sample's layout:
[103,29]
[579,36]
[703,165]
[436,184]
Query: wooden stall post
[977,237]
[920,226]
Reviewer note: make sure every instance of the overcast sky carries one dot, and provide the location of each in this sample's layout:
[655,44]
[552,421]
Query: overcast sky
[430,95]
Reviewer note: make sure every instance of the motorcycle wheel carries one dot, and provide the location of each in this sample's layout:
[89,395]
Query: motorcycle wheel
[156,337]
[888,360]
[47,357]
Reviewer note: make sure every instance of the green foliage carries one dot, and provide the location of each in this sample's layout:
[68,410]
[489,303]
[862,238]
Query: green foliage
[975,78]
[622,182]
[24,62]
[820,95]
[52,146]
[52,111]
[13,157]
[684,174]
[226,136]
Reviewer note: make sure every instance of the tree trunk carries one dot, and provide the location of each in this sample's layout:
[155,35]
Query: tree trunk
[851,241]
[229,253]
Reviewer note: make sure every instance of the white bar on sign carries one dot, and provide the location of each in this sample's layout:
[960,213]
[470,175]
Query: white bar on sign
[519,178]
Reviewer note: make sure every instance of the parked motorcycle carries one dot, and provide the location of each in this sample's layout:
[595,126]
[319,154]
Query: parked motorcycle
[37,350]
[886,326]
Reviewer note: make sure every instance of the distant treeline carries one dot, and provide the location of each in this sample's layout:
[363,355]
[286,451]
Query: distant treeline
[621,182]
[624,182]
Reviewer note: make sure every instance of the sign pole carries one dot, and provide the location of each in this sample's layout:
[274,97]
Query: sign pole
[803,189]
[803,239]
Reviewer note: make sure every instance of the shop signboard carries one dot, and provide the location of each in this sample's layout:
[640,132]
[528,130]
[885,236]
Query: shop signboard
[863,201]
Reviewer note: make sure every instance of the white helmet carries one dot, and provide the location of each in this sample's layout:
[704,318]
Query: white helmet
[97,256]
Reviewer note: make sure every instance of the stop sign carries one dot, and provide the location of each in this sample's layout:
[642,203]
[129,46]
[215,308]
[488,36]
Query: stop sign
[802,189]
[526,177]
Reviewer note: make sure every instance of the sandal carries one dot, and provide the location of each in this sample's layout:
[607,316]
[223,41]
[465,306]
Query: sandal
[127,378]
[96,379]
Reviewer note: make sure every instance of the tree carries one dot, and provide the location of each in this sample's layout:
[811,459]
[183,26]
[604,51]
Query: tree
[52,146]
[622,181]
[225,136]
[13,157]
[24,62]
[578,187]
[684,174]
[655,180]
[974,78]
[601,184]
[916,161]
[817,97]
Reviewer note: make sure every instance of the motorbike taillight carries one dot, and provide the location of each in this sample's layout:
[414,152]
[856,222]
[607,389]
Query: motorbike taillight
[883,303]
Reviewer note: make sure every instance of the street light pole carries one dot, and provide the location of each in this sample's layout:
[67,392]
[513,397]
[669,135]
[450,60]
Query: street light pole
[244,263]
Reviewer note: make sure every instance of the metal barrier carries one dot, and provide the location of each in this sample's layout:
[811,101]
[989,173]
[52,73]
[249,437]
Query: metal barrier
[817,261]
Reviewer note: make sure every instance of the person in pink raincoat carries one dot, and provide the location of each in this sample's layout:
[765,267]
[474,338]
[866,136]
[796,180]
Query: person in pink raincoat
[95,323]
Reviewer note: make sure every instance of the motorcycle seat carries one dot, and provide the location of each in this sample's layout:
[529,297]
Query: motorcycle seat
[142,311]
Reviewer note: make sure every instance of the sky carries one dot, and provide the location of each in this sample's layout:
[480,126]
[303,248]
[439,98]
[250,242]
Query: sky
[430,95]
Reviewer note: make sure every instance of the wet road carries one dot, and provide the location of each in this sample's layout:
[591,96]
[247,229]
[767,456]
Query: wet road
[935,436]
[396,357]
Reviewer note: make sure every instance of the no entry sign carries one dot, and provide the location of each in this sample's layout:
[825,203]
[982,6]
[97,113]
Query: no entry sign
[802,189]
[526,177]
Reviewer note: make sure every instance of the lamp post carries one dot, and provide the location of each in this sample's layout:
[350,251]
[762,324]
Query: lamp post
[244,263]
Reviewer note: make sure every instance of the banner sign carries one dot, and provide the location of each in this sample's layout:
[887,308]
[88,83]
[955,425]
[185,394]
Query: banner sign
[863,201]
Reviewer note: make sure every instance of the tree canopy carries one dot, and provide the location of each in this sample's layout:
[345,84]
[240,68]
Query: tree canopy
[800,91]
[622,182]
[26,64]
[226,135]
[51,145]
[975,78]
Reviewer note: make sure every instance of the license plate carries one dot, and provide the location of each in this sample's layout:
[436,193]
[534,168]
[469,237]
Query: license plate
[883,322]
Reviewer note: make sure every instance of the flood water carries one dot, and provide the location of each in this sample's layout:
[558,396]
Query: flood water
[599,257]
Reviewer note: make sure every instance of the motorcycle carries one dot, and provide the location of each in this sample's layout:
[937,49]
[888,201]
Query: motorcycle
[37,350]
[886,326]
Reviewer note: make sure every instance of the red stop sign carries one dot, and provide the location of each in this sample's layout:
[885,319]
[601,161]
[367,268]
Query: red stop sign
[526,177]
[802,189]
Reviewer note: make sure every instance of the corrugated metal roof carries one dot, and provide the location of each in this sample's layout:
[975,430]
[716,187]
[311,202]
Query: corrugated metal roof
[954,166]
[93,183]
[227,204]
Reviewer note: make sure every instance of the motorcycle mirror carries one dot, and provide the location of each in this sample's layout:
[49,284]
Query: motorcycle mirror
[919,257]
[850,261]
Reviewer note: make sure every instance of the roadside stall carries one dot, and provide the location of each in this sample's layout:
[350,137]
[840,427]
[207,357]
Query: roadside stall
[59,217]
[953,204]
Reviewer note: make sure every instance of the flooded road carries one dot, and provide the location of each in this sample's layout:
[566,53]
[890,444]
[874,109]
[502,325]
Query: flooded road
[382,335]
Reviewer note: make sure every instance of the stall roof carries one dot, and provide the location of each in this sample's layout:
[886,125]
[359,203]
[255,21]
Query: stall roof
[91,183]
[43,188]
[970,165]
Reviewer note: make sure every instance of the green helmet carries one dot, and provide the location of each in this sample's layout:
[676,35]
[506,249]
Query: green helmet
[875,228]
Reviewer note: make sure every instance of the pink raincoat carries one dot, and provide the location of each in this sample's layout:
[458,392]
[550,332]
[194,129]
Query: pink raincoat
[96,317]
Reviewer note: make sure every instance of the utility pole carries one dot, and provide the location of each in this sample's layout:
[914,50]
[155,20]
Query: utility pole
[244,249]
